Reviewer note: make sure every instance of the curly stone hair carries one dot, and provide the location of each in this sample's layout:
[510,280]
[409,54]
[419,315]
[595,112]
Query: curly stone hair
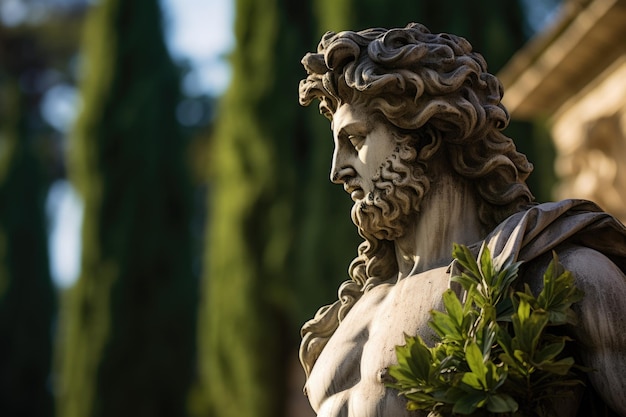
[431,84]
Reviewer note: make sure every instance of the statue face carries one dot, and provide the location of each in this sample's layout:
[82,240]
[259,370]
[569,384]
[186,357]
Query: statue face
[362,145]
[376,170]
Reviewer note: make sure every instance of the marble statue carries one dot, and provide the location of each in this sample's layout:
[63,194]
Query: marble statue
[417,125]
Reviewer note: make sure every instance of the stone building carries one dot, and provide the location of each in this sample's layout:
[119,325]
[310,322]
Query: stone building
[574,76]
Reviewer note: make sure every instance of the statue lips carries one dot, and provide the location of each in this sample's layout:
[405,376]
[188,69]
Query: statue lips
[356,192]
[357,195]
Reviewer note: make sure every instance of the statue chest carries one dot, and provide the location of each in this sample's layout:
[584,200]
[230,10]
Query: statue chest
[348,377]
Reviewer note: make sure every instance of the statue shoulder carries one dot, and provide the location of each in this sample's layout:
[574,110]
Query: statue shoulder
[601,330]
[592,269]
[591,265]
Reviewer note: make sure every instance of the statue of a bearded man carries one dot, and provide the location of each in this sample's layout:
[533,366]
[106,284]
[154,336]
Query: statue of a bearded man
[417,126]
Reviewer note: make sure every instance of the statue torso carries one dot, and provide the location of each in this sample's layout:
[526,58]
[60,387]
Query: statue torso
[348,378]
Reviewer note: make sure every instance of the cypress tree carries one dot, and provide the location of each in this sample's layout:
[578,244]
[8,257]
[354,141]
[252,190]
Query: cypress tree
[249,326]
[27,296]
[494,28]
[128,341]
[242,322]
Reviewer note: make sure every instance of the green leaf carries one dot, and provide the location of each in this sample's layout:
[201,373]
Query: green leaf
[561,367]
[504,310]
[549,352]
[469,402]
[528,327]
[523,312]
[507,275]
[420,359]
[486,265]
[475,362]
[464,257]
[501,403]
[496,375]
[414,360]
[453,306]
[466,281]
[506,344]
[559,293]
[420,398]
[445,327]
[473,381]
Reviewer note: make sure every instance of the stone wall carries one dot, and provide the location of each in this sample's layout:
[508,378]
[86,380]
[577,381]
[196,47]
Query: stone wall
[589,134]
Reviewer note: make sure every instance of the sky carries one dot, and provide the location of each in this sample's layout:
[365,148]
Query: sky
[199,32]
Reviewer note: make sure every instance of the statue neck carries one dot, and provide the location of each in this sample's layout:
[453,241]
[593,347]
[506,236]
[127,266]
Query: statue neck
[448,214]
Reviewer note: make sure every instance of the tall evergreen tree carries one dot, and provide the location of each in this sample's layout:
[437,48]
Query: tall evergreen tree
[27,297]
[494,28]
[244,328]
[128,341]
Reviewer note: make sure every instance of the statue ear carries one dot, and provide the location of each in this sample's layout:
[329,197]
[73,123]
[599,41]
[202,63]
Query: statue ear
[429,142]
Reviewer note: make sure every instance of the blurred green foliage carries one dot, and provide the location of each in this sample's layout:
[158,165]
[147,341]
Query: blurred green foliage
[128,325]
[27,297]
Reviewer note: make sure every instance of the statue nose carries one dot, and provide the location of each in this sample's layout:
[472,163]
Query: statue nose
[342,166]
[335,176]
[341,173]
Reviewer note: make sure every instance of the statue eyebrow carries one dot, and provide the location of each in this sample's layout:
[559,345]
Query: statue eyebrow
[356,128]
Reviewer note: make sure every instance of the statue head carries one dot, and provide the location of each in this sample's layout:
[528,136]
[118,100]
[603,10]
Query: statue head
[435,98]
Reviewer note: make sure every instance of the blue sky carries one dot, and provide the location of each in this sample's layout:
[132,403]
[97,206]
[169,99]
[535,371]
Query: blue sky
[201,31]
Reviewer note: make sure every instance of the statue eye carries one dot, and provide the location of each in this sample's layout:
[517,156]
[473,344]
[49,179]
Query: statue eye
[356,141]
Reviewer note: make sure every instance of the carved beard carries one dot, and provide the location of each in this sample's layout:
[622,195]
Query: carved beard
[399,188]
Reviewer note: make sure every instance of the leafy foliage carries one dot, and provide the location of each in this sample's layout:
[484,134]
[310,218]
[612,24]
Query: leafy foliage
[496,353]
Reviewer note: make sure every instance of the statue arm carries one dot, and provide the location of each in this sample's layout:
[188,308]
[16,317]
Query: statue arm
[601,331]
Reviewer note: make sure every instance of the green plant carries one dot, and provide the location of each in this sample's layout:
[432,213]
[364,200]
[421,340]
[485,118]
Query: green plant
[496,353]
